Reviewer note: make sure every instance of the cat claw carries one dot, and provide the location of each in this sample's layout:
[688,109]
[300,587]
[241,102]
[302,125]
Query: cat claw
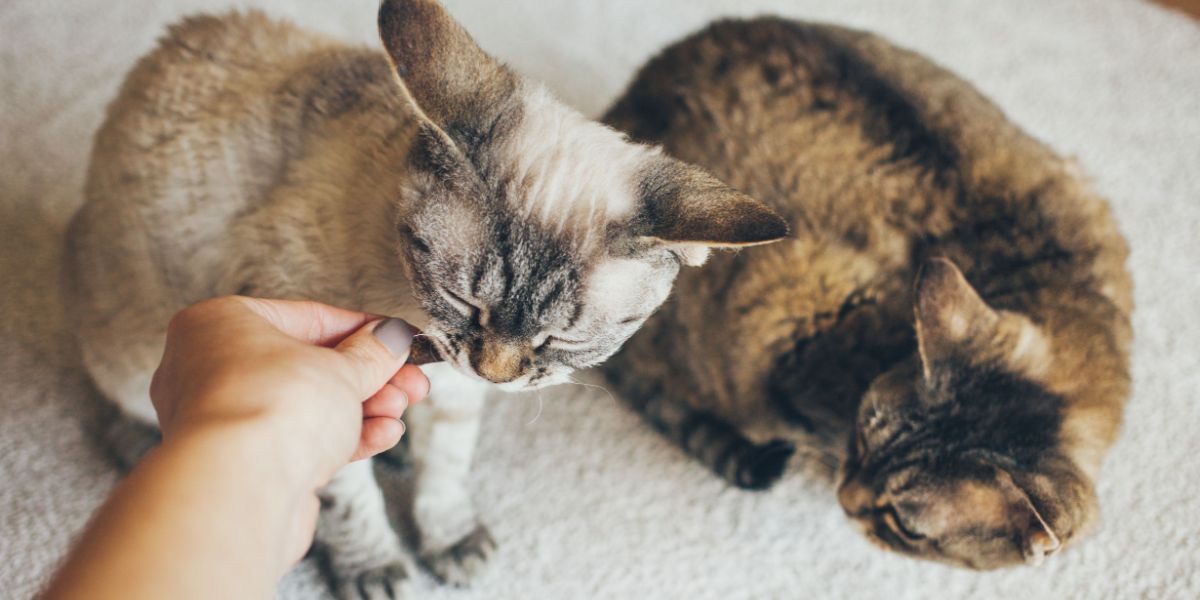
[385,582]
[463,561]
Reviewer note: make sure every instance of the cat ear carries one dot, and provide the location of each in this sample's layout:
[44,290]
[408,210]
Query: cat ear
[448,75]
[949,312]
[691,211]
[1034,535]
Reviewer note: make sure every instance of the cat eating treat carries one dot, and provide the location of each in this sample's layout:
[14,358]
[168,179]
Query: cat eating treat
[953,306]
[428,182]
[423,352]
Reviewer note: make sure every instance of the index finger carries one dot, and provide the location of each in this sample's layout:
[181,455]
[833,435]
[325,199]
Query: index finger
[309,321]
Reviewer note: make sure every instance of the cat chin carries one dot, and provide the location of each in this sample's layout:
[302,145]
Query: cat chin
[526,386]
[520,385]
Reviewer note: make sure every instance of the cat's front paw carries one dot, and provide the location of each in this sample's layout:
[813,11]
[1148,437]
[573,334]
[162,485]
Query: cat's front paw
[129,440]
[763,464]
[385,582]
[463,560]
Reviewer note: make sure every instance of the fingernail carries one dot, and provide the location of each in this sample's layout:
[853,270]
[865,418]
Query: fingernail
[403,401]
[396,335]
[403,428]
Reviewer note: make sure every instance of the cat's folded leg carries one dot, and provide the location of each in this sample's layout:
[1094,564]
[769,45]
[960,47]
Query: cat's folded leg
[121,354]
[364,552]
[454,546]
[128,439]
[719,445]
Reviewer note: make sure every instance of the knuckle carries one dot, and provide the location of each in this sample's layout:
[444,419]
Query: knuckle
[193,315]
[181,321]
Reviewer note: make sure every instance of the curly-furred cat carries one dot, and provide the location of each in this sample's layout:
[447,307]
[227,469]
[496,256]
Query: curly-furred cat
[953,306]
[429,182]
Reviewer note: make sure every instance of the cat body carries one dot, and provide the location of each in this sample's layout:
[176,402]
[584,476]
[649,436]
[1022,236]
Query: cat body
[951,314]
[428,182]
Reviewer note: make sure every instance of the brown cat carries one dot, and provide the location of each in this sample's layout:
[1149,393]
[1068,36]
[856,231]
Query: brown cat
[974,429]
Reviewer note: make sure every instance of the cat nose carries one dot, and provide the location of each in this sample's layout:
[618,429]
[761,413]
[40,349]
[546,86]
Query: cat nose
[855,498]
[499,361]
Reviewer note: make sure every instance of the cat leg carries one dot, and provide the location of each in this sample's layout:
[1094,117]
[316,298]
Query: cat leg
[454,546]
[128,439]
[719,445]
[818,383]
[364,553]
[120,368]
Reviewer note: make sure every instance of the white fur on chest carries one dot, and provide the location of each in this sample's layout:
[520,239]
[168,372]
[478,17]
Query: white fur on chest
[452,395]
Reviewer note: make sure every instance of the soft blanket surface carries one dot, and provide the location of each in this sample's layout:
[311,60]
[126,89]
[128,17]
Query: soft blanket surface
[586,501]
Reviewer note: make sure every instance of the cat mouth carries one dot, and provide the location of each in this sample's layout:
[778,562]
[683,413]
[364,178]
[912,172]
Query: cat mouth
[428,349]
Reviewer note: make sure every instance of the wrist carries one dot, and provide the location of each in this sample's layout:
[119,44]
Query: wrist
[251,445]
[297,428]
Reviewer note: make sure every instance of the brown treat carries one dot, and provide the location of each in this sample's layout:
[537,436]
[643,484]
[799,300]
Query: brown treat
[423,351]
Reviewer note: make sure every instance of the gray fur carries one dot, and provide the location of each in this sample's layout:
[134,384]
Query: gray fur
[248,156]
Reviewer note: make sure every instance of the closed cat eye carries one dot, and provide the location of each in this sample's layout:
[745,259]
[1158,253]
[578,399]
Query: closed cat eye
[891,518]
[420,245]
[632,320]
[562,343]
[461,304]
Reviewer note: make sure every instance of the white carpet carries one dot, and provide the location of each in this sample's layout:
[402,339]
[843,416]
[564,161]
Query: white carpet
[584,500]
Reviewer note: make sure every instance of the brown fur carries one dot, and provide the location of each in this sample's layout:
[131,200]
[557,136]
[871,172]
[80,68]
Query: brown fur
[882,162]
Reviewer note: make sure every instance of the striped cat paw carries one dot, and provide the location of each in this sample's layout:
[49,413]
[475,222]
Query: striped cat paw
[461,562]
[385,582]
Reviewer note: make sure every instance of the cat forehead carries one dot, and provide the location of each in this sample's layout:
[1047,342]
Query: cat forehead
[570,174]
[498,251]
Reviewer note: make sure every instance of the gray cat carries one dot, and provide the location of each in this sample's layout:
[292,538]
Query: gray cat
[429,182]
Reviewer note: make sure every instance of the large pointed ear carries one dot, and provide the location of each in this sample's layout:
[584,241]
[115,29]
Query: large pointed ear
[690,211]
[949,313]
[456,83]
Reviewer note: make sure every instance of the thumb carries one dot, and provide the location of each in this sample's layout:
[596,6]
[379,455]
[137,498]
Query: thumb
[375,353]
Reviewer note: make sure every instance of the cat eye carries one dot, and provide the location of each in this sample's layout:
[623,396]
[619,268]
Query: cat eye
[892,519]
[561,343]
[462,305]
[632,320]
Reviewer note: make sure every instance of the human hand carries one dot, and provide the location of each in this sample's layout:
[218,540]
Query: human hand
[260,402]
[306,386]
[317,373]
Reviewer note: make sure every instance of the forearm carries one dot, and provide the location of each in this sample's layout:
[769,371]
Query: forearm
[205,516]
[260,402]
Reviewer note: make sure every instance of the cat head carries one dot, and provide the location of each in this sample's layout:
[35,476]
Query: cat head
[537,241]
[956,453]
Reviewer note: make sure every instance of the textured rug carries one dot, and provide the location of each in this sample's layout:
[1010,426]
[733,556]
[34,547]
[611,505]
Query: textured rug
[585,501]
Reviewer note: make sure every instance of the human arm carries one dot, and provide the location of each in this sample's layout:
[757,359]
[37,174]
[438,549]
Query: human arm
[260,402]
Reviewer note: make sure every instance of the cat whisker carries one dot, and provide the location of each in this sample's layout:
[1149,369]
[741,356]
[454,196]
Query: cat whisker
[611,397]
[541,404]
